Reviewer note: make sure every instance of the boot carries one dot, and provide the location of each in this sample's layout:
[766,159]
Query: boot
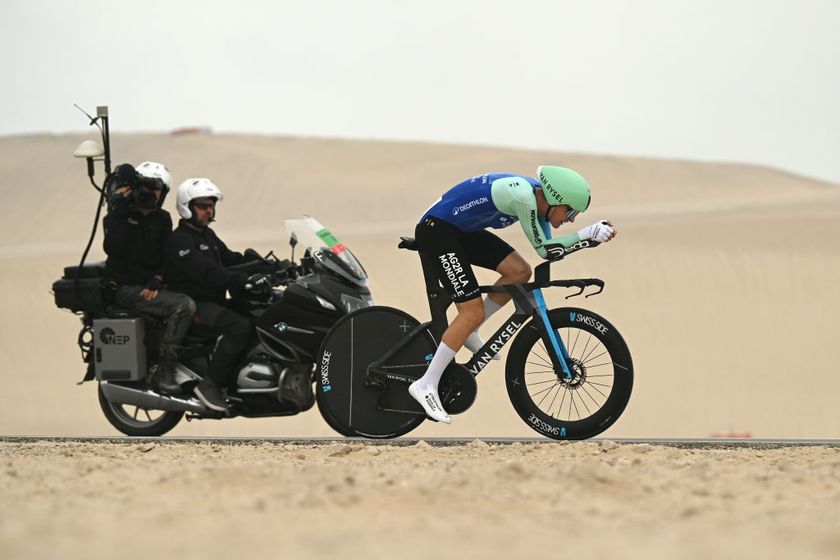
[163,379]
[211,395]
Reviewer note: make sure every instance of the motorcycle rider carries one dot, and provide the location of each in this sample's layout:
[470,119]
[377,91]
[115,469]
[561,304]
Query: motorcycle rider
[452,231]
[196,264]
[136,231]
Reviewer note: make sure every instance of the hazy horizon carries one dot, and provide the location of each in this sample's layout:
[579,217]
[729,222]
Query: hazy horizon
[738,81]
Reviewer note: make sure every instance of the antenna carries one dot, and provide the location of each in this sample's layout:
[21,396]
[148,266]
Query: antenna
[102,113]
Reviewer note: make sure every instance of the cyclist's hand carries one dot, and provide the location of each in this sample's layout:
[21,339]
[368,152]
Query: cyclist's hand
[601,232]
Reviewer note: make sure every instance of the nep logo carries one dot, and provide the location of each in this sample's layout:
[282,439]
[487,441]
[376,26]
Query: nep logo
[108,336]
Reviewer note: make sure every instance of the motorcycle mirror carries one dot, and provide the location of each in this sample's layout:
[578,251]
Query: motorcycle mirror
[293,240]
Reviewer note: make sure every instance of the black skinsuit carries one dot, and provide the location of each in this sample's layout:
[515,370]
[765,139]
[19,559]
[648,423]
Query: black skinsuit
[196,264]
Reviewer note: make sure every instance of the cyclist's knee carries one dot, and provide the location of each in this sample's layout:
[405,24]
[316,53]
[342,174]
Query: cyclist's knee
[514,269]
[521,273]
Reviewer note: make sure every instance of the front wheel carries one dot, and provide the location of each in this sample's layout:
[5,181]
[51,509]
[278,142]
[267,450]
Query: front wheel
[602,376]
[138,421]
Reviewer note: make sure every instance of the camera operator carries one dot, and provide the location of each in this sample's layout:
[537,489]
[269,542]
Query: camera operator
[136,231]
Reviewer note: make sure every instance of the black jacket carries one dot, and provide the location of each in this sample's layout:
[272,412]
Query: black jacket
[135,244]
[196,264]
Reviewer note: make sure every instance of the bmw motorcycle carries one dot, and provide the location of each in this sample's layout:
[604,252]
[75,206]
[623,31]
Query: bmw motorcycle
[275,376]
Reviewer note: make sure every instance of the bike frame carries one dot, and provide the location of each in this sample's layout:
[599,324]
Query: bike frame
[528,301]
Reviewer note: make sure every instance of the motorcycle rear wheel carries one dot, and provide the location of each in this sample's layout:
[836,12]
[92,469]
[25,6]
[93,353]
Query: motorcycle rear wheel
[137,421]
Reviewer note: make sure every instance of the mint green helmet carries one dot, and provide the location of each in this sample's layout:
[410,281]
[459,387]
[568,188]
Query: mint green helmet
[561,185]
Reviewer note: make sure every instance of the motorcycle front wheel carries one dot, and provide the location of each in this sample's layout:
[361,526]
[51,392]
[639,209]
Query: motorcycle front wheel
[138,421]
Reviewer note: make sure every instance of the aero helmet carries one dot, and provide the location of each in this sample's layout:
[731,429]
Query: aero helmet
[158,174]
[194,188]
[561,185]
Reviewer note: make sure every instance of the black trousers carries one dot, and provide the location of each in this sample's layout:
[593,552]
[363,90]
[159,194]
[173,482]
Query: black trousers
[234,332]
[176,309]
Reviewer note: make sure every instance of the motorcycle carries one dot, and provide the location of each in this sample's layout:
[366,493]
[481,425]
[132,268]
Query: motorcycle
[275,376]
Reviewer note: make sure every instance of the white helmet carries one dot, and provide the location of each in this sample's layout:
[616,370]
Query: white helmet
[194,188]
[155,170]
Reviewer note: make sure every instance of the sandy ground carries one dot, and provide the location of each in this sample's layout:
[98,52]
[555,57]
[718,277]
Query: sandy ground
[592,500]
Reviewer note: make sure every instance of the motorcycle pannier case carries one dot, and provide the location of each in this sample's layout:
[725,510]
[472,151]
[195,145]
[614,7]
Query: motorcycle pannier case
[85,294]
[119,349]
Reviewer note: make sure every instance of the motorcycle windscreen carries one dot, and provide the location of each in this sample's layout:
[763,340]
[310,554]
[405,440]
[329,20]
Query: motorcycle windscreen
[313,235]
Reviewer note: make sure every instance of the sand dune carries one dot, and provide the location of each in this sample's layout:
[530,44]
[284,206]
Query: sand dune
[723,279]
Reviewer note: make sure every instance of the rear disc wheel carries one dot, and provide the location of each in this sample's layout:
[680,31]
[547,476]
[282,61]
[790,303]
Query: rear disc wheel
[353,402]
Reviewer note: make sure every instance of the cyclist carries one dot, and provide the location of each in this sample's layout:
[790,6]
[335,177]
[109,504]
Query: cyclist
[452,232]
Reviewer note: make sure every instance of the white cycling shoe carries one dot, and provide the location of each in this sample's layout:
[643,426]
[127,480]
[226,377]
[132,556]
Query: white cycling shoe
[429,400]
[474,343]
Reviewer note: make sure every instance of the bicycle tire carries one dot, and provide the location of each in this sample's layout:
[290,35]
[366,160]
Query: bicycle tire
[348,399]
[597,394]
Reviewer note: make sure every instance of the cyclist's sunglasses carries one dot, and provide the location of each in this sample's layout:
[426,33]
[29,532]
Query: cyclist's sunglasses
[569,215]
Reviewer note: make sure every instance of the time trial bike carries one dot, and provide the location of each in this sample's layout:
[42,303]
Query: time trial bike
[568,373]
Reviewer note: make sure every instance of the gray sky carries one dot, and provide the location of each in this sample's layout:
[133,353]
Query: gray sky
[732,80]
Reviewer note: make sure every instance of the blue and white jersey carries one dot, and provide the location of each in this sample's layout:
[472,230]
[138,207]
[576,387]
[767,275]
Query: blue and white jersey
[469,205]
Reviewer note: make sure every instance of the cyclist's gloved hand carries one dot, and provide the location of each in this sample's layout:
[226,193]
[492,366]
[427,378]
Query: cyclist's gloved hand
[258,283]
[154,284]
[600,231]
